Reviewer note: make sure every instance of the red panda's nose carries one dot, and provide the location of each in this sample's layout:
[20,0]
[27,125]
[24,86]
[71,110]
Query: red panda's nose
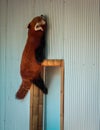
[43,17]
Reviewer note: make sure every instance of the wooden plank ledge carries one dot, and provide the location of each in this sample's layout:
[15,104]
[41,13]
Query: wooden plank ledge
[49,62]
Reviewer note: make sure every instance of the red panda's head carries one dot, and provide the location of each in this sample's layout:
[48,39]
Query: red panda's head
[38,25]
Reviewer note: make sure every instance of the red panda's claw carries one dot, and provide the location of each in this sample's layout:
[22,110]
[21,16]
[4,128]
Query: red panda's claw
[45,91]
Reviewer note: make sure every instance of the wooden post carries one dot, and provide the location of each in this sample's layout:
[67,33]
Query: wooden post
[36,108]
[62,98]
[36,99]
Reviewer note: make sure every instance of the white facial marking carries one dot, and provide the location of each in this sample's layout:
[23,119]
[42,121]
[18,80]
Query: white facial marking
[38,25]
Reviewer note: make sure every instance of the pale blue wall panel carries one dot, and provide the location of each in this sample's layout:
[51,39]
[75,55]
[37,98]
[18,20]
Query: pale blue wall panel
[17,112]
[14,114]
[52,100]
[3,23]
[81,60]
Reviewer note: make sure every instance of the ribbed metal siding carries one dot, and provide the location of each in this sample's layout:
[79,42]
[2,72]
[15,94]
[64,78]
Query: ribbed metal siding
[73,34]
[81,53]
[3,15]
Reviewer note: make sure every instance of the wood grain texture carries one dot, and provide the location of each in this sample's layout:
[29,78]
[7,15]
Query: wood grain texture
[62,98]
[36,108]
[36,99]
[54,62]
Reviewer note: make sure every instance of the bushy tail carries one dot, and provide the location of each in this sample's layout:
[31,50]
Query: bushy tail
[23,90]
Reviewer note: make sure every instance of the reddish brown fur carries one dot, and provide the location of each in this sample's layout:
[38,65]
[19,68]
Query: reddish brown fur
[30,69]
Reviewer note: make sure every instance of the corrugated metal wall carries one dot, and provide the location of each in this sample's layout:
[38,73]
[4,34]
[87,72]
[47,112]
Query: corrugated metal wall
[81,54]
[73,35]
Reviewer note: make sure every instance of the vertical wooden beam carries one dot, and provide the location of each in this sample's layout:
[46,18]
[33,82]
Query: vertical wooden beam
[62,98]
[40,123]
[36,99]
[31,108]
[36,108]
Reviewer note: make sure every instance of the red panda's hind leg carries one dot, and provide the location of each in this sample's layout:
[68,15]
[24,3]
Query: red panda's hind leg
[40,84]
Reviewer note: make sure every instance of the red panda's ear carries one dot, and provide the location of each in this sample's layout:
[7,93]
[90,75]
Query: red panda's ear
[29,26]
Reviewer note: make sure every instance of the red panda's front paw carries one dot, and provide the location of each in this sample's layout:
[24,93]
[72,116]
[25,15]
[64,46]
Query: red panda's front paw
[45,90]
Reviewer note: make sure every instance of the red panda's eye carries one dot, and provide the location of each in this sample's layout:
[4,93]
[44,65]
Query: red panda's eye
[29,26]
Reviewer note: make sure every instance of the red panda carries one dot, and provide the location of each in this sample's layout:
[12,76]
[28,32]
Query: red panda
[33,55]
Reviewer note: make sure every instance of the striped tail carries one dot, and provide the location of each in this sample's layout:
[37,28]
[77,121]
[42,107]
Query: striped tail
[23,90]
